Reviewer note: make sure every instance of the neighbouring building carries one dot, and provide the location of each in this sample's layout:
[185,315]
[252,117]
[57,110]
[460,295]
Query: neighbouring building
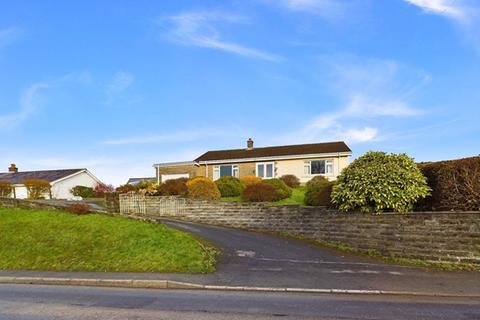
[135,181]
[303,160]
[61,181]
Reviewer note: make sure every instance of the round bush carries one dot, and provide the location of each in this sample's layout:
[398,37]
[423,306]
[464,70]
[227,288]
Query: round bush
[82,191]
[317,179]
[290,180]
[174,187]
[229,186]
[378,182]
[282,190]
[259,192]
[318,193]
[202,188]
[125,188]
[246,180]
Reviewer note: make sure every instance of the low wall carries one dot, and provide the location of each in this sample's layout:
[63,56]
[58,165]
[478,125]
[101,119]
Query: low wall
[27,204]
[430,236]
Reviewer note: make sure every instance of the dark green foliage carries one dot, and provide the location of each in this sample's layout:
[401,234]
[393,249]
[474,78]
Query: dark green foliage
[229,186]
[174,187]
[290,180]
[282,190]
[318,192]
[260,192]
[455,185]
[317,179]
[378,182]
[82,191]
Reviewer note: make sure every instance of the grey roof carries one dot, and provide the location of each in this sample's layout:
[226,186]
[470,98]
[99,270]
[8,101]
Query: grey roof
[49,175]
[299,149]
[135,181]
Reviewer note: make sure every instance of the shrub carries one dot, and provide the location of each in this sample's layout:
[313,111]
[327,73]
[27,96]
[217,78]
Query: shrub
[37,188]
[260,192]
[318,193]
[6,189]
[229,186]
[281,189]
[378,182]
[202,188]
[82,191]
[317,179]
[174,187]
[455,185]
[101,189]
[153,189]
[125,188]
[290,180]
[246,180]
[79,208]
[144,184]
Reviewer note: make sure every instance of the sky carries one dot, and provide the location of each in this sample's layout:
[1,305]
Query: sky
[116,86]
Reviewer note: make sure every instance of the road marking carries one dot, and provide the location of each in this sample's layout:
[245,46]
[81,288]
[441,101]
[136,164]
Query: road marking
[366,272]
[332,262]
[265,269]
[248,254]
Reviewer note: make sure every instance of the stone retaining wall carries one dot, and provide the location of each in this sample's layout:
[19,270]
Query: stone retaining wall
[27,204]
[430,236]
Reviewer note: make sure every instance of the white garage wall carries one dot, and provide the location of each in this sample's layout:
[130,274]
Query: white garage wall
[61,189]
[20,192]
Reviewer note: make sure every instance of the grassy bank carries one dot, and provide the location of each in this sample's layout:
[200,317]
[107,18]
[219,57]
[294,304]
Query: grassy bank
[298,194]
[59,241]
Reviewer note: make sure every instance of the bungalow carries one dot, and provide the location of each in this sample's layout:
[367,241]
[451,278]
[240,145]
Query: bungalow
[61,181]
[304,161]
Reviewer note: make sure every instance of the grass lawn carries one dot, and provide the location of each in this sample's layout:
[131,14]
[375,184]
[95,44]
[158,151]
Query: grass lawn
[60,241]
[297,197]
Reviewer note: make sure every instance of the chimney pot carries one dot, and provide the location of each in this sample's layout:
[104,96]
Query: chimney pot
[249,144]
[13,168]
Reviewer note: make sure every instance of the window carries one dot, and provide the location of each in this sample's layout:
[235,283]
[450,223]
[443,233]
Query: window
[266,170]
[223,171]
[318,167]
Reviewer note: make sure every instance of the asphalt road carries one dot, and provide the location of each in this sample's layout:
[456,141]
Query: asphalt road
[25,302]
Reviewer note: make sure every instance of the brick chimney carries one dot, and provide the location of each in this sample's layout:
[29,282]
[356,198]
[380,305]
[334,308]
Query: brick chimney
[13,168]
[249,144]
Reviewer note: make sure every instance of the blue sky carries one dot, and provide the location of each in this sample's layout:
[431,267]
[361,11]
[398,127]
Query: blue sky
[116,86]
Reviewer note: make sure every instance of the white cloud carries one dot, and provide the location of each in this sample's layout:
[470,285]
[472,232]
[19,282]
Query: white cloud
[200,29]
[464,13]
[118,85]
[327,9]
[441,7]
[373,90]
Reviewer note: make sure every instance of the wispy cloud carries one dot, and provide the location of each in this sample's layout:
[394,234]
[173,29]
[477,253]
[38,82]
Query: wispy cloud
[201,29]
[372,92]
[118,85]
[9,35]
[187,135]
[464,13]
[30,99]
[328,9]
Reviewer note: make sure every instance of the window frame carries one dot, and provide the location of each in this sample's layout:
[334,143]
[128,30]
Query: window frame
[328,163]
[264,164]
[217,171]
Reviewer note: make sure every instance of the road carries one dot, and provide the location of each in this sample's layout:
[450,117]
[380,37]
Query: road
[26,302]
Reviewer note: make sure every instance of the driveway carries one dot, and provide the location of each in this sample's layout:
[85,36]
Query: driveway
[262,260]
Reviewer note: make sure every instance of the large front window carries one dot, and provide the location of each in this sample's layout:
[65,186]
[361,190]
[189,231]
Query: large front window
[225,171]
[266,170]
[324,167]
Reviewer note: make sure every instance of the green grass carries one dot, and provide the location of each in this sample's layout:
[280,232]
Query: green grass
[298,194]
[60,241]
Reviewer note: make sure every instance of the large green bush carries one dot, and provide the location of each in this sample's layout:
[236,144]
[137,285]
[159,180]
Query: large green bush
[290,180]
[378,182]
[318,192]
[82,191]
[281,189]
[455,185]
[229,186]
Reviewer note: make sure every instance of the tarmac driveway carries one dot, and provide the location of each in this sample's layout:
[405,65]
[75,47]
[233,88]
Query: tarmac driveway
[255,259]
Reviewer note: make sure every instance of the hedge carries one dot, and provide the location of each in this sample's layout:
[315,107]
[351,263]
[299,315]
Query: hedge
[455,185]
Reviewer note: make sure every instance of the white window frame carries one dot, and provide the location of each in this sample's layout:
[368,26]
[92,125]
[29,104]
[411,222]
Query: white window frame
[264,164]
[235,170]
[328,164]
